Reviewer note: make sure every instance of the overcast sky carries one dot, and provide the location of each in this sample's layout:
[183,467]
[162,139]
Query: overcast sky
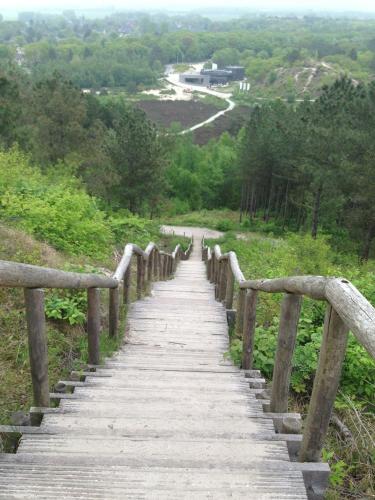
[337,5]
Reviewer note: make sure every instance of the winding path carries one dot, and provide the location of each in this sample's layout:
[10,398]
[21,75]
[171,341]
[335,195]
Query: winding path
[173,78]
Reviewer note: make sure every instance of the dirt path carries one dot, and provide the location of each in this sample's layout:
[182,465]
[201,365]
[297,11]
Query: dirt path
[197,232]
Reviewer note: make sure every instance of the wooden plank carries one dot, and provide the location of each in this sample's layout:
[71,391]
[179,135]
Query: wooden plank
[171,417]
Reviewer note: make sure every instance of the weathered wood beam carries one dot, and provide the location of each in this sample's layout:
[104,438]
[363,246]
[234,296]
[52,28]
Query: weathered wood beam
[38,349]
[127,284]
[229,291]
[240,309]
[13,274]
[114,312]
[312,286]
[140,274]
[326,382]
[93,325]
[248,335]
[290,312]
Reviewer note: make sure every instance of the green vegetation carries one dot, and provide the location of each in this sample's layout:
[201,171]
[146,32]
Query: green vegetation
[47,218]
[81,174]
[263,257]
[283,56]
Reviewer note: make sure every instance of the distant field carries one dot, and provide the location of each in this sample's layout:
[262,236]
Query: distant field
[188,113]
[230,122]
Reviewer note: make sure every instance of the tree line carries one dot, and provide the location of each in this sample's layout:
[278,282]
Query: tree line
[306,167]
[130,50]
[107,143]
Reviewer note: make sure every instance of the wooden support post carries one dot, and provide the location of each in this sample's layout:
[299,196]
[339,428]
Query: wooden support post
[229,288]
[162,268]
[290,312]
[139,276]
[144,286]
[38,348]
[326,382]
[208,269]
[213,265]
[240,312]
[93,325]
[127,279]
[218,269]
[248,336]
[114,311]
[150,266]
[223,281]
[156,265]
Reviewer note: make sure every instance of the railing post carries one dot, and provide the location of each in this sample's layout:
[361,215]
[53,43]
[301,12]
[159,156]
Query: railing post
[162,267]
[144,265]
[326,382]
[240,311]
[139,276]
[208,268]
[229,288]
[223,280]
[248,335]
[93,325]
[149,266]
[156,265]
[114,311]
[218,268]
[290,312]
[213,265]
[38,348]
[127,278]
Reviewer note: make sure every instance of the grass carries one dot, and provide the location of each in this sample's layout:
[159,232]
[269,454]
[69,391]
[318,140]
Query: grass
[212,219]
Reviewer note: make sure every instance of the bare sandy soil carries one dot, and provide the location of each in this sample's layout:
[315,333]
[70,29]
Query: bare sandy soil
[196,232]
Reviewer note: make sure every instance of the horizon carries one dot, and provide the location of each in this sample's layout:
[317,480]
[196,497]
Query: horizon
[239,7]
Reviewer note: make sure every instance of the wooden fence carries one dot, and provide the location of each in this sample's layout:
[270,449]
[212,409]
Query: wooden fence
[347,309]
[152,264]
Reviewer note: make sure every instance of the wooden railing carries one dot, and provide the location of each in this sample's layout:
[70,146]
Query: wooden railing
[347,309]
[152,264]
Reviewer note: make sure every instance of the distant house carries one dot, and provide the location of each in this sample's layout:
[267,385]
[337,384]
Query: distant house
[217,75]
[195,79]
[214,76]
[238,72]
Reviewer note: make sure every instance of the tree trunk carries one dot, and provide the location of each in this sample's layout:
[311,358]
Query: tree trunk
[315,219]
[270,199]
[251,209]
[367,245]
[242,201]
[247,198]
[286,204]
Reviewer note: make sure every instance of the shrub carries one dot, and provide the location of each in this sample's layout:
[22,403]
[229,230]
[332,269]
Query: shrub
[60,213]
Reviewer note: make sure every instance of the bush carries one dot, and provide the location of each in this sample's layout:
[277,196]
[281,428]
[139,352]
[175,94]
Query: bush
[58,212]
[225,225]
[301,254]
